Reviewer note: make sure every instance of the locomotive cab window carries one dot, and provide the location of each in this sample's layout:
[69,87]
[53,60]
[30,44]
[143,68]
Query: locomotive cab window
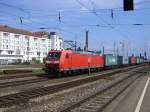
[54,55]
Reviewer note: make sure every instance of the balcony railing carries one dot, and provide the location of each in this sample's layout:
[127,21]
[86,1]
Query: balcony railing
[10,55]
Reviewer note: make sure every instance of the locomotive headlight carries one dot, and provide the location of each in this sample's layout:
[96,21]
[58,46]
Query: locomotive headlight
[56,62]
[47,62]
[52,62]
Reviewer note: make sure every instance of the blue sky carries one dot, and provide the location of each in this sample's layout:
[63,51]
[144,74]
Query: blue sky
[78,16]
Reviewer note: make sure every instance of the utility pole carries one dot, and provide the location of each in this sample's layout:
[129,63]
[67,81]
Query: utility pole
[122,43]
[145,52]
[103,50]
[117,51]
[75,43]
[114,48]
[145,55]
[121,49]
[86,41]
[127,52]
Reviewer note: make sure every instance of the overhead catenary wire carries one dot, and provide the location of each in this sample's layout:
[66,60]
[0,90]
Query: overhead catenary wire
[63,12]
[142,2]
[15,7]
[33,11]
[117,31]
[50,14]
[95,13]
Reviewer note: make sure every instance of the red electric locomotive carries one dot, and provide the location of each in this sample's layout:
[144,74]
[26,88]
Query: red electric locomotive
[60,61]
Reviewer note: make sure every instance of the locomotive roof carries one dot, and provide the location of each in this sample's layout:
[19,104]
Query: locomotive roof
[78,52]
[86,52]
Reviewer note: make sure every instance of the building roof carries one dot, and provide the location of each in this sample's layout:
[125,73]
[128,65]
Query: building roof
[41,33]
[6,28]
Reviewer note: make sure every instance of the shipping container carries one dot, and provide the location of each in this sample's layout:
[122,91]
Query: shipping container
[125,60]
[138,60]
[141,59]
[111,60]
[132,60]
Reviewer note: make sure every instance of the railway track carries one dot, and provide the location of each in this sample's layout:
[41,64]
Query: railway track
[40,79]
[22,82]
[24,96]
[13,76]
[98,101]
[19,76]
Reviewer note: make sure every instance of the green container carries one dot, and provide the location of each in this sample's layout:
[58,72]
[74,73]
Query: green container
[111,60]
[141,61]
[138,60]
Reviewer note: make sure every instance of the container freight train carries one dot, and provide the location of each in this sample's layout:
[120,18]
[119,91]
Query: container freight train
[68,61]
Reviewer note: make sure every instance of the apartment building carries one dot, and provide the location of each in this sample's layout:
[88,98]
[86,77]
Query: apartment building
[21,45]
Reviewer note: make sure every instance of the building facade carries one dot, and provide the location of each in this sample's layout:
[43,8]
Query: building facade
[17,45]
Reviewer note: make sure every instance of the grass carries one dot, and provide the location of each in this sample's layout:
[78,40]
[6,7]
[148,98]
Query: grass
[33,71]
[1,72]
[37,71]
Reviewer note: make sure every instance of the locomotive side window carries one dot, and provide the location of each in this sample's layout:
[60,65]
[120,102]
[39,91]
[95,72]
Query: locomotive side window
[67,56]
[54,55]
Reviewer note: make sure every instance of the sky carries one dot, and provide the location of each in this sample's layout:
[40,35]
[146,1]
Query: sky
[77,16]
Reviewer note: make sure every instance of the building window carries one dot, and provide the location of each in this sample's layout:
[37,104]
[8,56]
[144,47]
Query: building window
[10,52]
[3,41]
[18,52]
[17,36]
[6,46]
[43,40]
[27,38]
[35,39]
[6,41]
[38,53]
[5,35]
[45,53]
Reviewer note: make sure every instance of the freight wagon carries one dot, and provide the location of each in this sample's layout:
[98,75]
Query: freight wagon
[142,59]
[125,61]
[65,61]
[112,61]
[132,60]
[138,60]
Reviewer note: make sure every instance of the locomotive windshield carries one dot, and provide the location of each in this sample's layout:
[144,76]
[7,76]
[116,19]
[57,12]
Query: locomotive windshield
[54,55]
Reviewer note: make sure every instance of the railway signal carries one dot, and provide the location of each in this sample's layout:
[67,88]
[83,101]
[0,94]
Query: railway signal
[128,5]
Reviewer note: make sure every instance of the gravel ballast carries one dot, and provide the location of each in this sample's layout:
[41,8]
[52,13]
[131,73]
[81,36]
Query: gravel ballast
[57,101]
